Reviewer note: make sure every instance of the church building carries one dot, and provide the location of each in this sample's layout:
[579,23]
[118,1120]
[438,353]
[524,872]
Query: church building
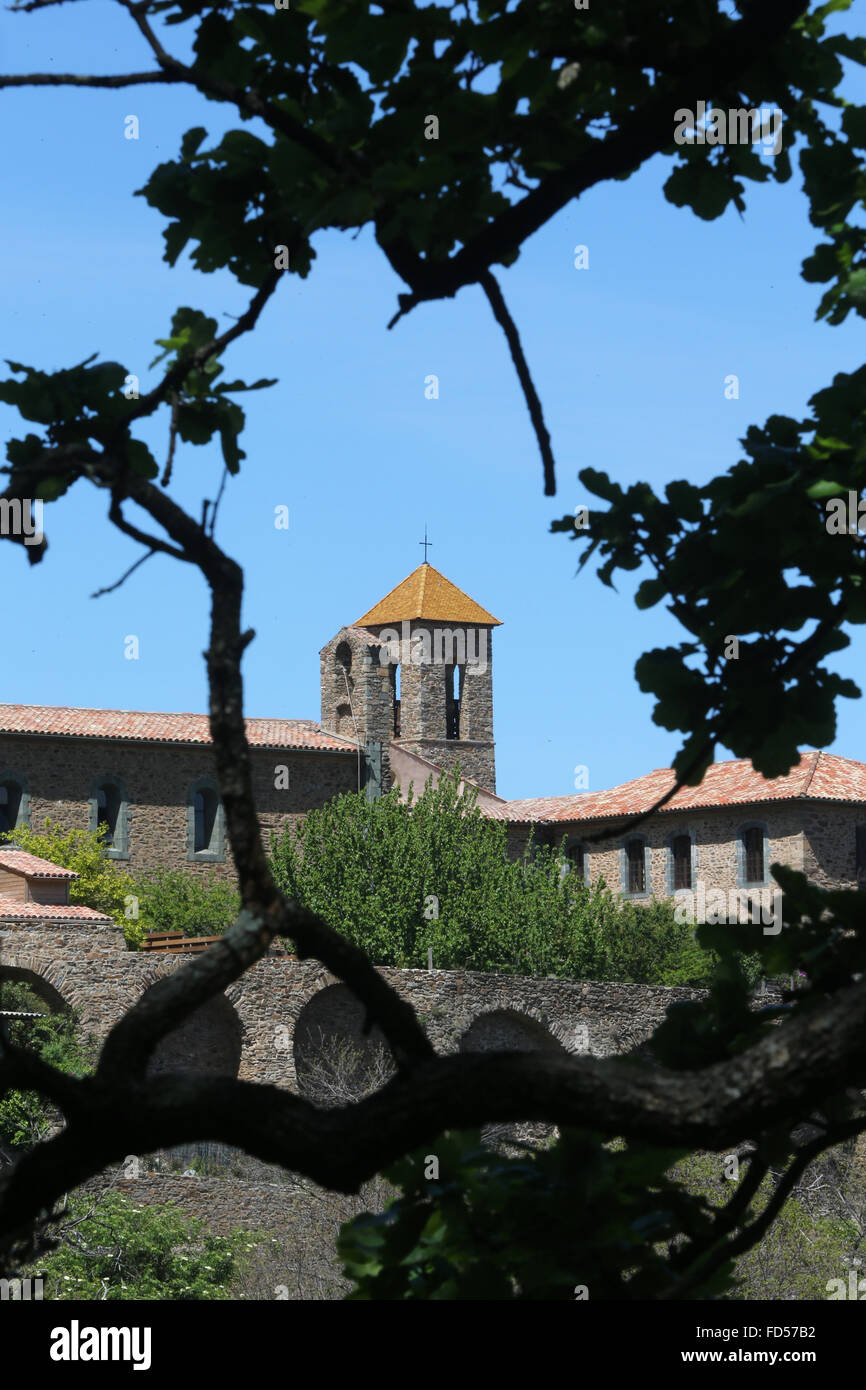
[407,692]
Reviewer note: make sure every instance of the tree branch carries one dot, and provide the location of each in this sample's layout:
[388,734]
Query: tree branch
[500,312]
[73,79]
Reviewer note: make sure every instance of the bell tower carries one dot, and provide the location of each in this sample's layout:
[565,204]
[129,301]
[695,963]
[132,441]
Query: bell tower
[417,670]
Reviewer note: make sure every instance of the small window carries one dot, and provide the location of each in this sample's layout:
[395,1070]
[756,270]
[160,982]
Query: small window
[205,819]
[860,853]
[107,812]
[109,807]
[206,822]
[636,866]
[753,851]
[682,854]
[13,803]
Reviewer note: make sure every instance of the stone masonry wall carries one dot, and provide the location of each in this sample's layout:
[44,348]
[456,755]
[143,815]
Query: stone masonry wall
[60,772]
[830,843]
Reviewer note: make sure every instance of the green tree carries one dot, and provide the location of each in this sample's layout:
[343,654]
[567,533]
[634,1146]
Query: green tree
[100,883]
[398,878]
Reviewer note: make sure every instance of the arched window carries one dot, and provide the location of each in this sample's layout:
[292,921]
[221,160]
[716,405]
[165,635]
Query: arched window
[205,822]
[634,857]
[752,854]
[14,801]
[109,806]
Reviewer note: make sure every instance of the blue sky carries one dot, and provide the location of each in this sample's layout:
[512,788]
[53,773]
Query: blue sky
[629,357]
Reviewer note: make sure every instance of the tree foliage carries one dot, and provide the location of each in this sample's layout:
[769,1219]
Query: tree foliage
[171,900]
[114,1251]
[400,878]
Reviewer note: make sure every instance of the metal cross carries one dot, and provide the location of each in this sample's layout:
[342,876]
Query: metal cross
[425,544]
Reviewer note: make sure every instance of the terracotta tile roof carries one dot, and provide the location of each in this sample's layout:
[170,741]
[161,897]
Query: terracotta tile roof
[138,726]
[12,911]
[18,861]
[426,593]
[818,776]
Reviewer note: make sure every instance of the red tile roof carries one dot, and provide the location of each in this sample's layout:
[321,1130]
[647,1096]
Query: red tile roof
[18,861]
[138,726]
[12,911]
[817,777]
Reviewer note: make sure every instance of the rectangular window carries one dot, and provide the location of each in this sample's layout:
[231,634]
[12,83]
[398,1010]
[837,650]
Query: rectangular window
[682,852]
[753,845]
[636,866]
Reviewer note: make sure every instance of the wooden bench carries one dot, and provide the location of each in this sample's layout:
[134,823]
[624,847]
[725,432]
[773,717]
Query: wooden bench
[176,941]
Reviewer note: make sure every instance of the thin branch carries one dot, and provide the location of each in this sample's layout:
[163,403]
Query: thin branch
[216,504]
[74,79]
[500,312]
[181,369]
[153,542]
[172,438]
[111,587]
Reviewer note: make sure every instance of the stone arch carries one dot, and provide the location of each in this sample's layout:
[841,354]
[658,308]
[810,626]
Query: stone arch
[335,1061]
[508,1030]
[39,981]
[511,1030]
[208,1043]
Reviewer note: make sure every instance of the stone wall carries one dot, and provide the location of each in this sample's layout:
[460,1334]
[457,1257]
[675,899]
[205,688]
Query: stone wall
[262,1016]
[59,773]
[830,843]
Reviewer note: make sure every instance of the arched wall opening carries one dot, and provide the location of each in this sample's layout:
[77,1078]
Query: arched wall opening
[509,1030]
[335,1062]
[49,998]
[208,1043]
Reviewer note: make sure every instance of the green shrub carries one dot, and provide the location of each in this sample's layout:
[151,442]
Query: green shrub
[170,900]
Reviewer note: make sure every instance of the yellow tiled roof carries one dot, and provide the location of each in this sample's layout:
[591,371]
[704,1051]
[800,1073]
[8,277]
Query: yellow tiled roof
[426,593]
